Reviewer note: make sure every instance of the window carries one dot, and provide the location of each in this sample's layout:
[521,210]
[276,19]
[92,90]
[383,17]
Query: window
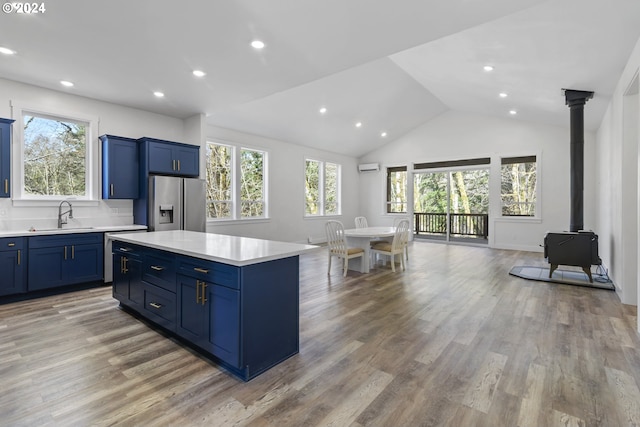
[235,174]
[322,188]
[397,189]
[55,157]
[518,186]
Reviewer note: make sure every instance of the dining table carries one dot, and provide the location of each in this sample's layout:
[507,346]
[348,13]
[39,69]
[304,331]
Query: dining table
[361,238]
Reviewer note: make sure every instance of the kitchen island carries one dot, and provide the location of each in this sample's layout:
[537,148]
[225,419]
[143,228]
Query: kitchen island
[234,299]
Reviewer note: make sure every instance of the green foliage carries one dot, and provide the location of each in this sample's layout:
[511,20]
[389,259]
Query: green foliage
[54,157]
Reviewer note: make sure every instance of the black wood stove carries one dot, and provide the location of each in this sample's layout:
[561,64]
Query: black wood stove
[576,247]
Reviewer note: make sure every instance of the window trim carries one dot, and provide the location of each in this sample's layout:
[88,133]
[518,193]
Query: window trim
[236,182]
[322,188]
[92,156]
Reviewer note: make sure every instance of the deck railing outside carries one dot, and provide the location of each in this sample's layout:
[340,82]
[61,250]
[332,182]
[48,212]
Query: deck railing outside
[476,225]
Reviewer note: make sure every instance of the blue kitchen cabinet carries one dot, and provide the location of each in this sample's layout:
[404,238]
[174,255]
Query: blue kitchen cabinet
[5,157]
[127,274]
[12,265]
[120,167]
[170,158]
[64,259]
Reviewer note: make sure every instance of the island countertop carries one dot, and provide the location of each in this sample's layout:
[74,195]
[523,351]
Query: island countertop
[232,250]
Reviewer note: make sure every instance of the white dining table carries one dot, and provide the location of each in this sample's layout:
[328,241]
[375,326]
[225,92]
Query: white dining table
[361,238]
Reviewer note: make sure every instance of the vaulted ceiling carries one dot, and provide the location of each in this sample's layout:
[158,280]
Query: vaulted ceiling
[390,65]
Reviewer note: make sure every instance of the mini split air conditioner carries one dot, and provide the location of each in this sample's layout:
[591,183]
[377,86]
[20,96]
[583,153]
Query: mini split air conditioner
[367,167]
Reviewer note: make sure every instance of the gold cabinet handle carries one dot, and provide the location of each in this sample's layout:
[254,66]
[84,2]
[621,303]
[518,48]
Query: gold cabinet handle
[157,268]
[12,244]
[18,256]
[125,249]
[173,165]
[111,189]
[155,305]
[6,186]
[73,252]
[65,252]
[178,164]
[204,293]
[125,267]
[200,270]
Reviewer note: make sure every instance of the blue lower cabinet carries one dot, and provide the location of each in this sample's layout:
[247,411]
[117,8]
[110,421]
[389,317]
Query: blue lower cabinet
[159,306]
[13,261]
[60,260]
[127,280]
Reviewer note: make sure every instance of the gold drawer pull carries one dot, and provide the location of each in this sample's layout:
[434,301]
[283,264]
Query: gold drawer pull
[11,244]
[200,270]
[156,268]
[125,249]
[155,305]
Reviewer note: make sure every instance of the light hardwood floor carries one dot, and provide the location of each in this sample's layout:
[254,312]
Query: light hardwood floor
[453,341]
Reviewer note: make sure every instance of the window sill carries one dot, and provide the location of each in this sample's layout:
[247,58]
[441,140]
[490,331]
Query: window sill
[214,222]
[529,219]
[52,202]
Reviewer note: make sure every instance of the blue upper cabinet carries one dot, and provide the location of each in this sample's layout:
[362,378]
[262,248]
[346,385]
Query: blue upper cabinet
[5,157]
[171,158]
[120,168]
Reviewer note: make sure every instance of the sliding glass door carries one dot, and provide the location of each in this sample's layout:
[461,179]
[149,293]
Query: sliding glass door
[452,204]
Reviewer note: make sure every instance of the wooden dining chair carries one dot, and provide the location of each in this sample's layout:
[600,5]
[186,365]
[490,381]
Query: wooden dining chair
[361,222]
[337,245]
[397,245]
[396,221]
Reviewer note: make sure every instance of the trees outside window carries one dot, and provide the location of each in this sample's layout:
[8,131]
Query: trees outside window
[235,177]
[54,157]
[322,188]
[397,189]
[518,186]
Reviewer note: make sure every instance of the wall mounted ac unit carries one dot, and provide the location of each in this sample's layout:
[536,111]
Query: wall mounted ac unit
[366,167]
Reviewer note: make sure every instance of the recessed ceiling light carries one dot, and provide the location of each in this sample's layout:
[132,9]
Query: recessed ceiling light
[503,94]
[158,94]
[7,51]
[199,73]
[323,110]
[383,134]
[66,83]
[257,44]
[359,124]
[513,112]
[488,67]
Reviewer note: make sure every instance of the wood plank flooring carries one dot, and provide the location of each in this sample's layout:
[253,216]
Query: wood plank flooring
[452,341]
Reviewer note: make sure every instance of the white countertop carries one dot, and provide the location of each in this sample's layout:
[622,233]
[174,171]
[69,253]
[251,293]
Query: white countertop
[233,250]
[71,230]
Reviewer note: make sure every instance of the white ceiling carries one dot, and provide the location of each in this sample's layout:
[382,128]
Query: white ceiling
[391,65]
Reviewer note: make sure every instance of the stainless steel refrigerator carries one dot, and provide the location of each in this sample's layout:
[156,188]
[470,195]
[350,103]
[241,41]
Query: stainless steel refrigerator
[176,204]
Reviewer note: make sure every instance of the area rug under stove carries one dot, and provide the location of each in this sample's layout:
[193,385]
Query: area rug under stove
[566,277]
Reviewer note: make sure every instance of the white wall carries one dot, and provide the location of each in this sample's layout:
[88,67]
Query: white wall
[286,189]
[617,187]
[457,135]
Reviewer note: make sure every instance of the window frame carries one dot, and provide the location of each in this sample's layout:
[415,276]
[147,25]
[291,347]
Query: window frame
[91,162]
[388,203]
[236,181]
[504,160]
[322,188]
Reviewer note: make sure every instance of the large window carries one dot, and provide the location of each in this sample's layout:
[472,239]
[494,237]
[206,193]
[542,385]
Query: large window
[55,157]
[236,182]
[322,188]
[519,186]
[397,189]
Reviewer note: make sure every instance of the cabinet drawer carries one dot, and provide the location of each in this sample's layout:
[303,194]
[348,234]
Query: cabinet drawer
[213,272]
[123,248]
[64,240]
[159,270]
[11,243]
[160,306]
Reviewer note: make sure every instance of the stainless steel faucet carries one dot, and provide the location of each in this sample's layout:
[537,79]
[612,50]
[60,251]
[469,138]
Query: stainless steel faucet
[60,213]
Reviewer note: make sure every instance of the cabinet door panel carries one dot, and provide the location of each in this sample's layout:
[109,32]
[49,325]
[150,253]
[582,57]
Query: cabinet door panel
[5,161]
[161,158]
[189,161]
[191,321]
[224,323]
[120,166]
[86,263]
[46,268]
[12,276]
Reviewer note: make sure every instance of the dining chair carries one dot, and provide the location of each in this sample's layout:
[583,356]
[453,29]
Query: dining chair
[337,245]
[397,245]
[396,221]
[361,222]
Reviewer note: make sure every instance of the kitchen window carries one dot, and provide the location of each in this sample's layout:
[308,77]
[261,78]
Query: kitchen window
[322,188]
[397,189]
[54,159]
[236,182]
